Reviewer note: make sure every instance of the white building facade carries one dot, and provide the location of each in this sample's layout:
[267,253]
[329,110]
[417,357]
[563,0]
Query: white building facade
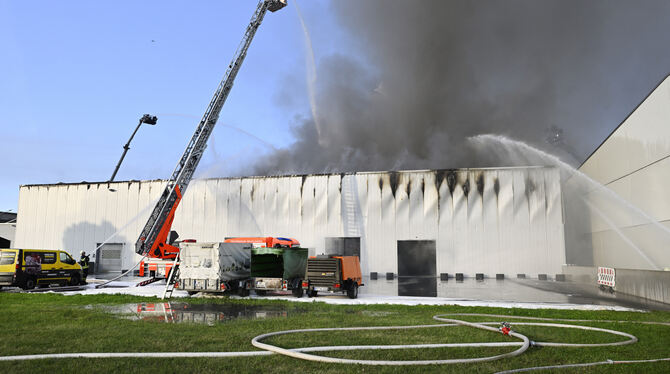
[491,221]
[631,229]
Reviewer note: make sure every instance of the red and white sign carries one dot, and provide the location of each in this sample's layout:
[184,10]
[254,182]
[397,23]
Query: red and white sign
[606,276]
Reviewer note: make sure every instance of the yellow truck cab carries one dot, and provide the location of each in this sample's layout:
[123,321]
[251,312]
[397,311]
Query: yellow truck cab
[27,268]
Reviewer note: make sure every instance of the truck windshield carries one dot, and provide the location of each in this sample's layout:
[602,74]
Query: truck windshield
[66,259]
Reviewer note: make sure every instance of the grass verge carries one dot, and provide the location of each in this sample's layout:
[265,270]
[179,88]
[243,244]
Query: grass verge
[51,323]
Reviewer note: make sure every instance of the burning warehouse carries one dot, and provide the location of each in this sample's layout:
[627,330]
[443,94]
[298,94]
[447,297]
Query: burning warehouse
[409,223]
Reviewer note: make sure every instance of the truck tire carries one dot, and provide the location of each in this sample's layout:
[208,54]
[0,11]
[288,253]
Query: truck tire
[74,280]
[298,292]
[352,292]
[243,292]
[311,293]
[29,283]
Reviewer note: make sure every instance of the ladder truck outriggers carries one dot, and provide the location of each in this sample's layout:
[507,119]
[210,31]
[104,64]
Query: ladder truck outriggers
[156,240]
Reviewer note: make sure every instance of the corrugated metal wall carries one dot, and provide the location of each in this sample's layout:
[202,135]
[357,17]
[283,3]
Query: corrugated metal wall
[483,220]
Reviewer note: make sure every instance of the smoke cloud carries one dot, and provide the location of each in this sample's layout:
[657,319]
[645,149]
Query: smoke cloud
[431,73]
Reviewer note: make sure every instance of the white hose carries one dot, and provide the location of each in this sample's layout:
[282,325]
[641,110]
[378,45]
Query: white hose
[297,354]
[101,285]
[300,353]
[632,339]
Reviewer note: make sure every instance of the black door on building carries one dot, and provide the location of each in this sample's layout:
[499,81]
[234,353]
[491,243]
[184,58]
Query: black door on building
[417,268]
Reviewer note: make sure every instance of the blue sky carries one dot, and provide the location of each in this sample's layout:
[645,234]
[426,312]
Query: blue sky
[77,75]
[401,85]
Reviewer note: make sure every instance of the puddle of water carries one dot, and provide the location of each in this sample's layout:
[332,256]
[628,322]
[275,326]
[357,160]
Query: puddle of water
[177,312]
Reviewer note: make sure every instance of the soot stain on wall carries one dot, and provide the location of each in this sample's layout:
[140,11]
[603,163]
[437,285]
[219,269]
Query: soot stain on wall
[451,181]
[302,183]
[408,187]
[466,187]
[530,187]
[393,182]
[480,183]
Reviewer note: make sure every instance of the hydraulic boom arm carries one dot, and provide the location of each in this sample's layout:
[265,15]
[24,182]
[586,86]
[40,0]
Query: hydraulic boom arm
[152,240]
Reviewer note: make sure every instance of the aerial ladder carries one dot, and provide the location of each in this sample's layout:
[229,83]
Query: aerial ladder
[155,239]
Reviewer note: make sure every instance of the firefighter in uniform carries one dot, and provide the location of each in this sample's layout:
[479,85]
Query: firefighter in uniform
[83,261]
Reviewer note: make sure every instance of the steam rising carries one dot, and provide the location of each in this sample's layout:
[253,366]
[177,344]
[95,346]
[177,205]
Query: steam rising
[430,73]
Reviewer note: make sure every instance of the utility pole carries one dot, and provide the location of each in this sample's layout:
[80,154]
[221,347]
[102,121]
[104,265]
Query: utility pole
[149,120]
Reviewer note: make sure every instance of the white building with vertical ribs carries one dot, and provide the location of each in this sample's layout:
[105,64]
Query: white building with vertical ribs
[491,221]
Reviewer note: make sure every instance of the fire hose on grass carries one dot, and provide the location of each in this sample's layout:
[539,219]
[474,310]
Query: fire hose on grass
[523,344]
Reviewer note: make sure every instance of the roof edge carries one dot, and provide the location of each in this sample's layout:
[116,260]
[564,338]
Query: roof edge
[293,175]
[625,119]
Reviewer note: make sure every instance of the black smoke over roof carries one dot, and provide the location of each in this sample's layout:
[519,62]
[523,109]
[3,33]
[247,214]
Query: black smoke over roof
[431,73]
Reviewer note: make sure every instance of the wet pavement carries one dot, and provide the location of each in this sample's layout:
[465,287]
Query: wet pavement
[507,290]
[514,291]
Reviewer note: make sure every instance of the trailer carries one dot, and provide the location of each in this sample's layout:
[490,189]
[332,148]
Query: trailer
[215,267]
[333,274]
[278,269]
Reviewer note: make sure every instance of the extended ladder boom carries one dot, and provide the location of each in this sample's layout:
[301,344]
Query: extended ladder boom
[152,240]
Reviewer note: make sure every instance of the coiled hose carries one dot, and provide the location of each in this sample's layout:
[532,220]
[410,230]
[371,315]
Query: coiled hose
[303,353]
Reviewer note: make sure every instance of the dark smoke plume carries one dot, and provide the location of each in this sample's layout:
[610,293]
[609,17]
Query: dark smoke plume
[431,73]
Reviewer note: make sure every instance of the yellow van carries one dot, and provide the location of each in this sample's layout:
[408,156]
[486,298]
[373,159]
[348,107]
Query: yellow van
[28,268]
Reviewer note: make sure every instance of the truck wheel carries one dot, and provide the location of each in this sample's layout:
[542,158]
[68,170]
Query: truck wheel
[311,293]
[352,292]
[243,292]
[298,292]
[29,284]
[74,280]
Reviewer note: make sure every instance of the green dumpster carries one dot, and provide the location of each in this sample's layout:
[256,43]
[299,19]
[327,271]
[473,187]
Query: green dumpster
[295,263]
[267,262]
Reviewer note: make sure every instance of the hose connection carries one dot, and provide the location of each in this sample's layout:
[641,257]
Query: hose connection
[505,328]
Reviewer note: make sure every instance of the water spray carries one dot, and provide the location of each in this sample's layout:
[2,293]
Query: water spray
[310,72]
[518,148]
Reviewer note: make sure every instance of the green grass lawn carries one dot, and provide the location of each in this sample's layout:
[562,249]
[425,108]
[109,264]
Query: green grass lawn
[51,323]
